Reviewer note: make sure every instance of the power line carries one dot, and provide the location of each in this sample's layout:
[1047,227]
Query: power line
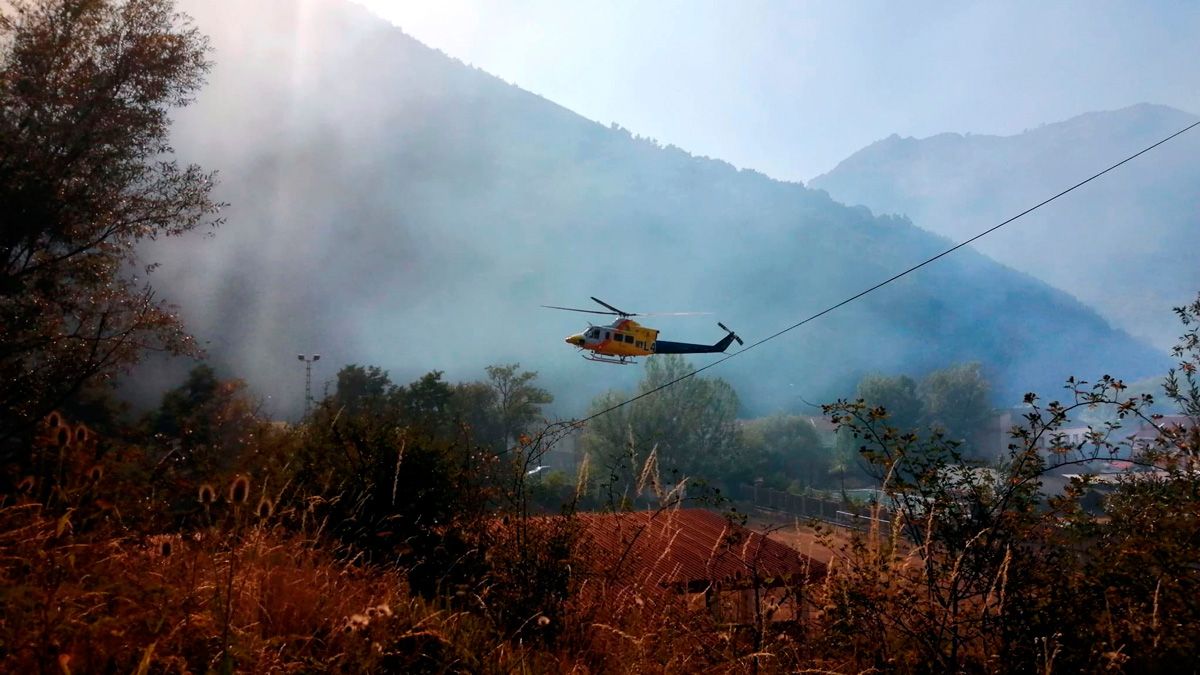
[887,281]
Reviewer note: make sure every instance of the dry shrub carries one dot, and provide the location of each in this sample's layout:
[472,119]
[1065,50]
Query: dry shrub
[101,602]
[104,601]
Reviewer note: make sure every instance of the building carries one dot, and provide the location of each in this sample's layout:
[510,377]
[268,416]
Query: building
[699,556]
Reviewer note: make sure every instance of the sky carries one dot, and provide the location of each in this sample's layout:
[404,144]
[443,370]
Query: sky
[792,88]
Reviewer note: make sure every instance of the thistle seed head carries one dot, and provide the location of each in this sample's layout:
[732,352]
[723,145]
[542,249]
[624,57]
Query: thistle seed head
[207,494]
[265,508]
[239,490]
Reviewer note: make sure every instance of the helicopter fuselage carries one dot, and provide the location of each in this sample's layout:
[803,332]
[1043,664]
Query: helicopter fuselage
[625,338]
[621,338]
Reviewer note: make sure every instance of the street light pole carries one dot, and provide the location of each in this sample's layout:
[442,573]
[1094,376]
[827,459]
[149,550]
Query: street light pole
[308,361]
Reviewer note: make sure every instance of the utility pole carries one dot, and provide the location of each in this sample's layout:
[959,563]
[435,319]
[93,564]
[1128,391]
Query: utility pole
[308,361]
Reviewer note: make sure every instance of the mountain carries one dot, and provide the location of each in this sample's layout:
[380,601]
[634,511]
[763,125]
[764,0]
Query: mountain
[393,206]
[1122,244]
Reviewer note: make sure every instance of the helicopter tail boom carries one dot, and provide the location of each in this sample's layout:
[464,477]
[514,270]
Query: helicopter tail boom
[665,347]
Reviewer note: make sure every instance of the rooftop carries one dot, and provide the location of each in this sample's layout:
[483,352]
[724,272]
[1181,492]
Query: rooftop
[689,550]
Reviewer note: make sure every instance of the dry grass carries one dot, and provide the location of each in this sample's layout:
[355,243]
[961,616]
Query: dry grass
[247,586]
[102,601]
[258,600]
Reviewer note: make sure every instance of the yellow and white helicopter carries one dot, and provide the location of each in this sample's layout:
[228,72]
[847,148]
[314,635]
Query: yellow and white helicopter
[624,338]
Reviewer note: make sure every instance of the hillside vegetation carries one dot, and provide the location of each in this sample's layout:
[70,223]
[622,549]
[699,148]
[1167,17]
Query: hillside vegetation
[1141,220]
[394,206]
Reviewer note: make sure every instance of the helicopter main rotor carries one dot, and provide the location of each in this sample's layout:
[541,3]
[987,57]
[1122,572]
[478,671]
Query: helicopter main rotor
[613,311]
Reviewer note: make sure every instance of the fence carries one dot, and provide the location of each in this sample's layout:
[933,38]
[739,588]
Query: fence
[844,513]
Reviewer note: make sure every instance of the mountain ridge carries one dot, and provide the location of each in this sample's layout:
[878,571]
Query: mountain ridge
[394,206]
[1143,215]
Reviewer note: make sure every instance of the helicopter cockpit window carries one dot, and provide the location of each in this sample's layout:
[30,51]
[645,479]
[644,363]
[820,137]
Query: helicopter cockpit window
[593,333]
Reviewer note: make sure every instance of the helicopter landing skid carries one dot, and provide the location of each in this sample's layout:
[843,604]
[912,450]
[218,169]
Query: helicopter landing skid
[619,360]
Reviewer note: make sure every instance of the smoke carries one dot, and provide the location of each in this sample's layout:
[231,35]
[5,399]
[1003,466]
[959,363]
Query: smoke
[394,207]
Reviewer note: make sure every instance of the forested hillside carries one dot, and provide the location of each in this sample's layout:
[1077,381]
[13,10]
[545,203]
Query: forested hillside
[391,205]
[1121,244]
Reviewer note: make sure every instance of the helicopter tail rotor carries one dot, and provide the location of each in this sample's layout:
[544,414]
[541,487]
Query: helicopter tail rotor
[735,336]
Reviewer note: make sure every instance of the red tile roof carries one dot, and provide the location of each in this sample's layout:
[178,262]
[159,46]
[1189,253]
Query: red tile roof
[687,549]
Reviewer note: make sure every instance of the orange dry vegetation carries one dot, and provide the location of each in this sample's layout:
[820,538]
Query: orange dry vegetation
[99,603]
[261,599]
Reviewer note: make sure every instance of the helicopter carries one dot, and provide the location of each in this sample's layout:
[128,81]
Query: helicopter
[624,339]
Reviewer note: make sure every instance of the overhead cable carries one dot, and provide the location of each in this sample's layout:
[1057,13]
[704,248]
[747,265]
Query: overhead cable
[887,281]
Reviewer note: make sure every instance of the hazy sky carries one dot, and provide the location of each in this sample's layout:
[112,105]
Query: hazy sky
[791,88]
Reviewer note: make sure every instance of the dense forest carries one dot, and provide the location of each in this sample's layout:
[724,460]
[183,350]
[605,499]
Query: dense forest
[428,524]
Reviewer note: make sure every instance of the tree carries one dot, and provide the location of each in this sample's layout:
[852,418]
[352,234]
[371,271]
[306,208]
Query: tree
[897,394]
[426,405]
[518,402]
[361,387]
[1005,574]
[207,421]
[994,572]
[395,475]
[86,173]
[475,406]
[789,449]
[956,399]
[690,427]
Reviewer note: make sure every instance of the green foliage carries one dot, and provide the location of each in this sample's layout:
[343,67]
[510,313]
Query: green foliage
[359,388]
[1001,577]
[1182,385]
[898,395]
[956,400]
[86,90]
[97,405]
[690,428]
[206,423]
[518,402]
[308,548]
[416,467]
[987,547]
[475,402]
[787,449]
[390,456]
